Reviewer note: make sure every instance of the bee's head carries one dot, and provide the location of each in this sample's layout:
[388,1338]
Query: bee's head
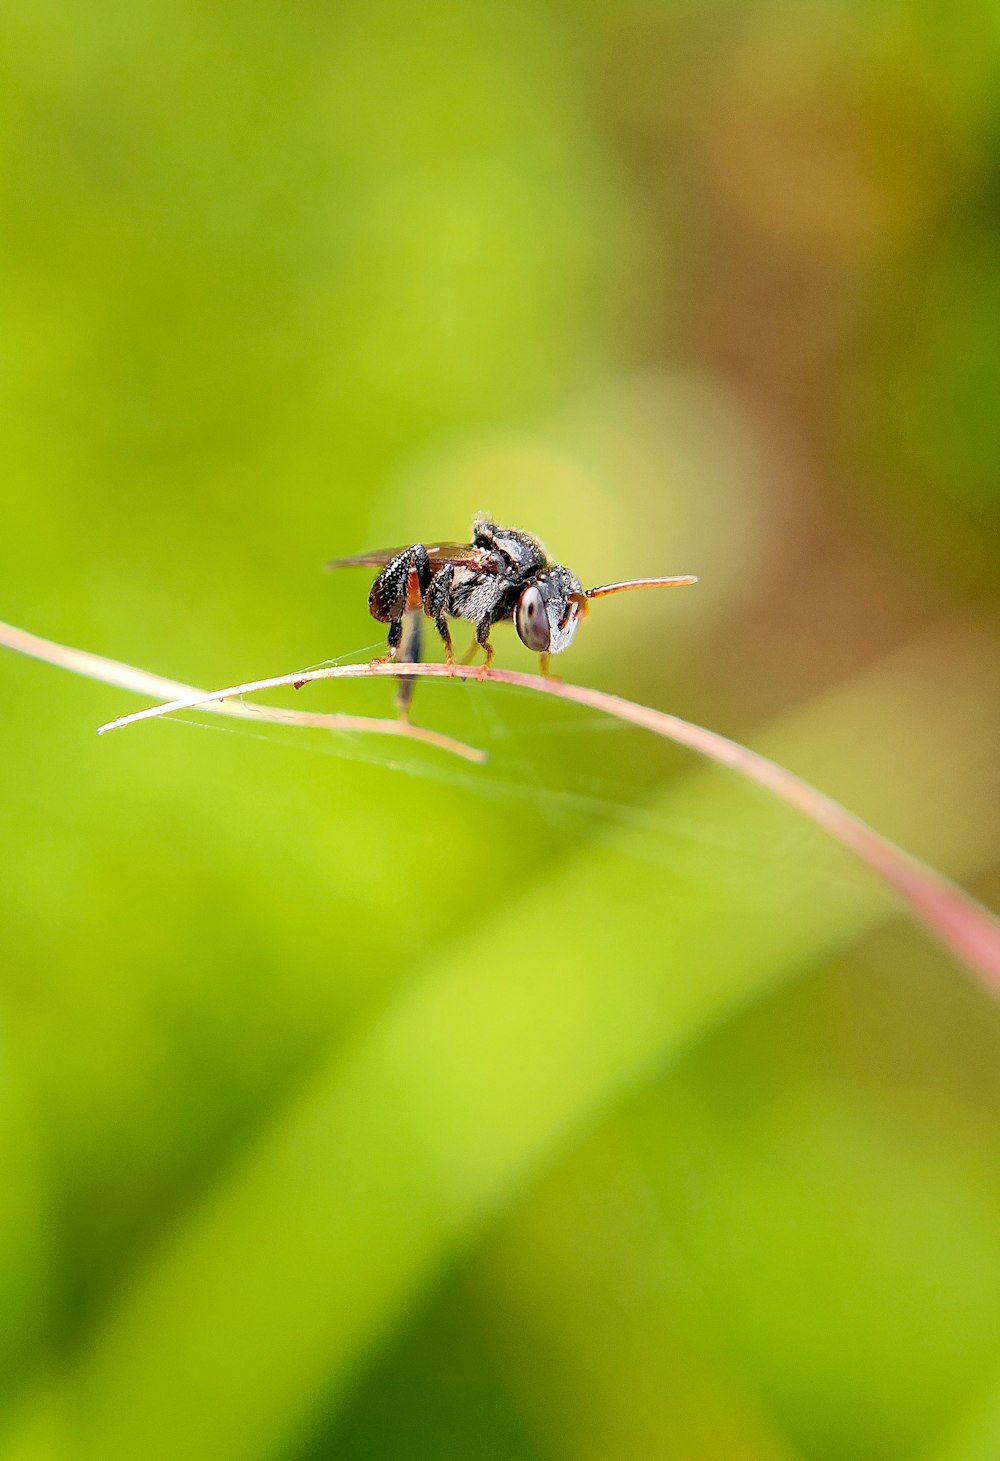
[549,611]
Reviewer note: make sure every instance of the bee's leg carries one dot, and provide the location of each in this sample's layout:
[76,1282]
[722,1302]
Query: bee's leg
[410,653]
[436,606]
[399,587]
[392,644]
[483,640]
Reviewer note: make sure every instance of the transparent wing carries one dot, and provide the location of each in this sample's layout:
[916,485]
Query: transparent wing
[438,553]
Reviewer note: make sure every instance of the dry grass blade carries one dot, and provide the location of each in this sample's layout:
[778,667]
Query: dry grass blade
[963,925]
[127,677]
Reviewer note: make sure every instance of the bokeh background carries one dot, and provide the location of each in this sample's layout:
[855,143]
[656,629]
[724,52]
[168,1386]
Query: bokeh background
[360,1103]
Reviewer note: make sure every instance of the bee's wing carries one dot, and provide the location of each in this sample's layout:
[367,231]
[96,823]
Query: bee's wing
[438,553]
[377,559]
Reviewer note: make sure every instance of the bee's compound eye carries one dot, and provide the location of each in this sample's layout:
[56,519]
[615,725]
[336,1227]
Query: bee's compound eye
[532,620]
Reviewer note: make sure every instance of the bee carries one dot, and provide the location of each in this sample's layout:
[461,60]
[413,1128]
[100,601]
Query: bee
[502,574]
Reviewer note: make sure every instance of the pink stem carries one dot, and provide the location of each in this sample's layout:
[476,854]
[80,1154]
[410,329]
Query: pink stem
[961,923]
[127,677]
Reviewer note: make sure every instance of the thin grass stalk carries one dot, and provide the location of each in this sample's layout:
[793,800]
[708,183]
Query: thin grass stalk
[970,931]
[143,682]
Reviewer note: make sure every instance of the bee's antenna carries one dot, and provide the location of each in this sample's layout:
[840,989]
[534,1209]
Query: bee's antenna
[603,589]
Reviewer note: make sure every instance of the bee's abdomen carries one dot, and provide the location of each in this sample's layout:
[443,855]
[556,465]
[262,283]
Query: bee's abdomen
[401,585]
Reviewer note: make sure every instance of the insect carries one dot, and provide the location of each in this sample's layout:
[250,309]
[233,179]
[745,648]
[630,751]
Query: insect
[502,574]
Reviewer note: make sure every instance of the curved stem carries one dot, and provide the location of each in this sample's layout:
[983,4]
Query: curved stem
[127,677]
[962,924]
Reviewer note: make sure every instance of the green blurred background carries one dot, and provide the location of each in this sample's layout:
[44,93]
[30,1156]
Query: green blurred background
[358,1103]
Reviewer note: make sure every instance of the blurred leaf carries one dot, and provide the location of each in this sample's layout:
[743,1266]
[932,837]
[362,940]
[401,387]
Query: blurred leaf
[273,1293]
